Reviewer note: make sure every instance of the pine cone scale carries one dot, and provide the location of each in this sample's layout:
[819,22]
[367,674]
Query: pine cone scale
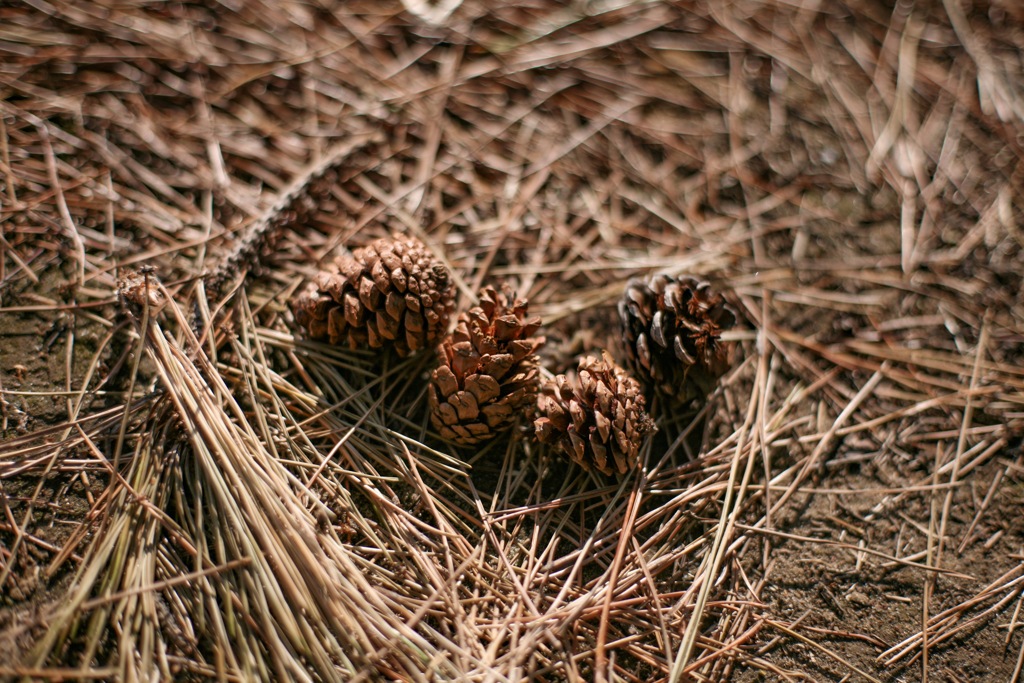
[604,425]
[497,365]
[484,387]
[446,413]
[465,405]
[387,326]
[394,304]
[520,350]
[390,262]
[369,295]
[412,319]
[399,280]
[497,414]
[381,277]
[545,429]
[658,329]
[506,328]
[446,381]
[578,415]
[353,309]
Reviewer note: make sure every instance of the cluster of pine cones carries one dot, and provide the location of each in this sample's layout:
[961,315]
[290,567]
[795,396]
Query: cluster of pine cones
[396,293]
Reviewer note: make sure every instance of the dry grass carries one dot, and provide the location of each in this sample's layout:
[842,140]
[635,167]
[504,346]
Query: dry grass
[257,506]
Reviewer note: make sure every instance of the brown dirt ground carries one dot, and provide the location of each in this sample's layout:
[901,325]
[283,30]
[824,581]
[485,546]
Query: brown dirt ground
[864,609]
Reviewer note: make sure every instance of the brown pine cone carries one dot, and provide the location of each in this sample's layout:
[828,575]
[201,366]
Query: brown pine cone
[488,373]
[672,334]
[391,292]
[597,416]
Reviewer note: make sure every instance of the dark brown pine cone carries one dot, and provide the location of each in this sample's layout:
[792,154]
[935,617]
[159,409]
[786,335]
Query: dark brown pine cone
[671,331]
[597,416]
[488,372]
[391,292]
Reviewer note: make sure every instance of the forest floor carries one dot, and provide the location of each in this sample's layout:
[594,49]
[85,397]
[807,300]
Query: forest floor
[192,489]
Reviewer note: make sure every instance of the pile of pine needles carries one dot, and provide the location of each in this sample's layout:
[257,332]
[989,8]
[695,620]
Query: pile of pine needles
[264,507]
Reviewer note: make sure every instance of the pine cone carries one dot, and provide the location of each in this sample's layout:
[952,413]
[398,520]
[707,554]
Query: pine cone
[392,292]
[596,416]
[671,330]
[488,373]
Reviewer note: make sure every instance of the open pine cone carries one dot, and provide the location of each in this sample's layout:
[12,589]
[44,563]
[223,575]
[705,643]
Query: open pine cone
[391,292]
[488,372]
[596,416]
[672,334]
